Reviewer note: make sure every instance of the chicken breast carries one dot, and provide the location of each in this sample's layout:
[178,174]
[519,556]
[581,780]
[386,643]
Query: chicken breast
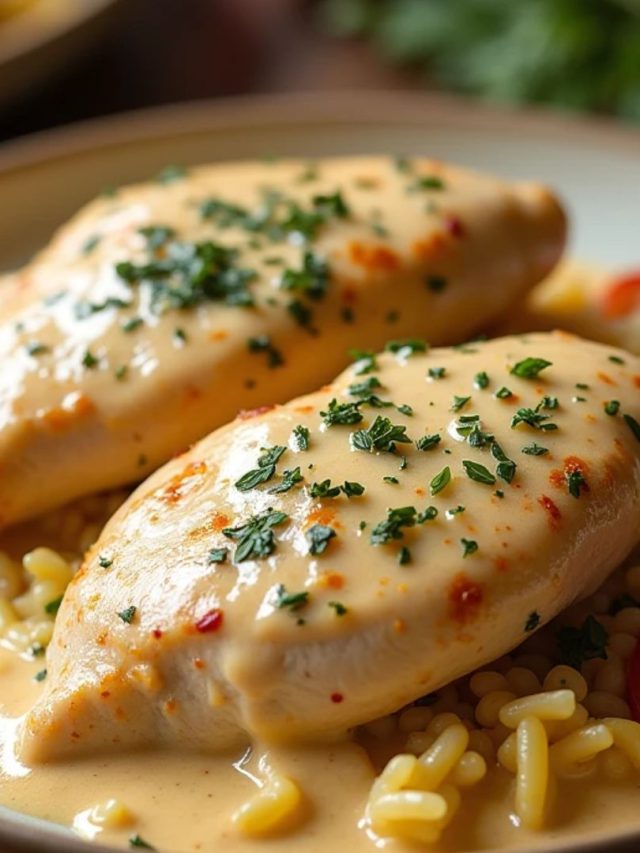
[161,311]
[312,567]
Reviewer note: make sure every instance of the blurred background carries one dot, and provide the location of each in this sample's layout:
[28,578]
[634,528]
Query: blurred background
[63,60]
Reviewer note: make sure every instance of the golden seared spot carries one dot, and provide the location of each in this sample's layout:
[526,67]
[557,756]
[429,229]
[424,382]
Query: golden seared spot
[465,597]
[373,257]
[218,335]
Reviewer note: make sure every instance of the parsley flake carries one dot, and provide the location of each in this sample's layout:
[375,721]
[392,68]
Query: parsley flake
[529,368]
[476,471]
[440,481]
[127,614]
[318,537]
[265,470]
[469,546]
[255,537]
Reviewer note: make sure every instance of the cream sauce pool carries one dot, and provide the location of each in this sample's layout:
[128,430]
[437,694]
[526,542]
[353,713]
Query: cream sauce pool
[183,802]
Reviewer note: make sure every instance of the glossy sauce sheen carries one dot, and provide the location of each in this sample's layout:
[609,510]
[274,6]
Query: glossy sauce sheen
[106,372]
[289,645]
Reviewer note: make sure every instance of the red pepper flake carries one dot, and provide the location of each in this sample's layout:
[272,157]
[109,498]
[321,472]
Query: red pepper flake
[349,295]
[549,506]
[247,414]
[157,633]
[337,698]
[210,622]
[636,381]
[465,596]
[105,694]
[454,226]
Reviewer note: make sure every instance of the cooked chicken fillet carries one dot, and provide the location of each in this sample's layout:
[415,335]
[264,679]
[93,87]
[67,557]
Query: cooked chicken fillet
[158,313]
[320,564]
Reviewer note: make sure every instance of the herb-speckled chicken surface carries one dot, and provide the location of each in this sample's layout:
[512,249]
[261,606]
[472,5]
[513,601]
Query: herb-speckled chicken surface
[161,311]
[415,519]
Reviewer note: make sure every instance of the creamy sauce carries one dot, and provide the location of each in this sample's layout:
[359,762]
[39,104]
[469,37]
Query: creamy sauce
[183,801]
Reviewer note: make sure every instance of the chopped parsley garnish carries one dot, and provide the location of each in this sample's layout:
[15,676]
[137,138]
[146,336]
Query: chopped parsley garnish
[481,380]
[455,510]
[503,393]
[36,348]
[533,418]
[312,279]
[318,537]
[428,514]
[121,372]
[131,324]
[391,527]
[301,437]
[89,360]
[365,361]
[191,273]
[382,435]
[301,313]
[41,675]
[404,556]
[105,562]
[352,489]
[575,482]
[263,343]
[437,372]
[324,490]
[612,407]
[255,537]
[436,283]
[469,546]
[459,403]
[217,555]
[577,645]
[616,359]
[406,347]
[506,468]
[341,413]
[290,478]
[339,608]
[533,620]
[157,235]
[534,449]
[90,244]
[633,425]
[52,607]
[427,182]
[529,368]
[179,336]
[476,471]
[37,650]
[393,480]
[128,614]
[428,442]
[440,481]
[290,600]
[548,403]
[266,469]
[364,388]
[405,409]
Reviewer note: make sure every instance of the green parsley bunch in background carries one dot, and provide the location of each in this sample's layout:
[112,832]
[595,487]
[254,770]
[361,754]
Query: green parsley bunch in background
[576,54]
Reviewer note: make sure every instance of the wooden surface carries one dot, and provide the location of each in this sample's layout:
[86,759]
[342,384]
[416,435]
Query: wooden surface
[161,51]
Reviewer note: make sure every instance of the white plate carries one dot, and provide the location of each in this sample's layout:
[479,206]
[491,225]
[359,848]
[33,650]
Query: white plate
[594,166]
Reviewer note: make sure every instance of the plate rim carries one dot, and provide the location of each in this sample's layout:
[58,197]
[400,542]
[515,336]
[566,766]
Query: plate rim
[353,106]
